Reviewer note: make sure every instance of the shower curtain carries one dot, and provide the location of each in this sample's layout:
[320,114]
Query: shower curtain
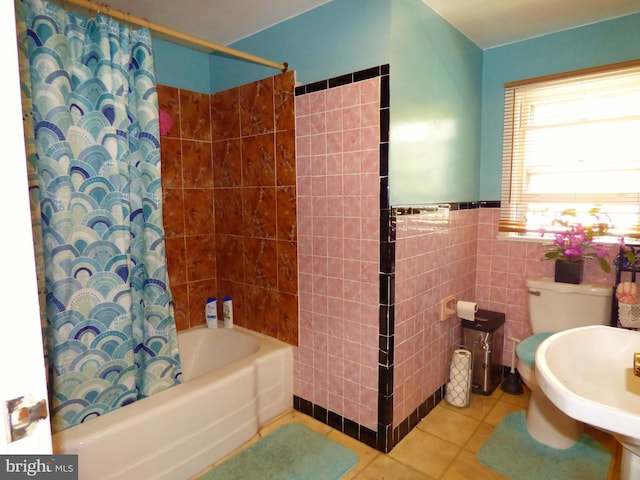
[93,154]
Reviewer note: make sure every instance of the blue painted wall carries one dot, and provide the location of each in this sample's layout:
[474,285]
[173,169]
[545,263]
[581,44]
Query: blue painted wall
[598,44]
[446,93]
[339,37]
[181,67]
[436,75]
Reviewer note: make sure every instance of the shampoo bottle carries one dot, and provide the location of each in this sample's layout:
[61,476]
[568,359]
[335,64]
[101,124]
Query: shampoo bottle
[227,312]
[211,312]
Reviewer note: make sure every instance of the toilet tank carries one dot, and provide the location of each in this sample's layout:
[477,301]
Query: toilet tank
[554,307]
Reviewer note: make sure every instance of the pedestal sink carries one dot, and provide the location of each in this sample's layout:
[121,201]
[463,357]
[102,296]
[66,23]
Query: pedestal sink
[587,373]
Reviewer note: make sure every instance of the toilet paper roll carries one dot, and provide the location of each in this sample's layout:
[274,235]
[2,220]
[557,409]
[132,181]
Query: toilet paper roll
[459,385]
[467,310]
[461,361]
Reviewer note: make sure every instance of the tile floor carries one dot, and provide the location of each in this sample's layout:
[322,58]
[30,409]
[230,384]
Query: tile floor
[442,447]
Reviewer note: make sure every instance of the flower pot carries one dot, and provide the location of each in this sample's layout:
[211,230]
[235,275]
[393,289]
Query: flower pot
[569,272]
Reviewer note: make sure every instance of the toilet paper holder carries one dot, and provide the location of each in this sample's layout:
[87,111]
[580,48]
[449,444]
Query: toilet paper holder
[447,307]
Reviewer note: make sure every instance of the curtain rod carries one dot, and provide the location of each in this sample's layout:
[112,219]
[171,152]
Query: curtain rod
[184,39]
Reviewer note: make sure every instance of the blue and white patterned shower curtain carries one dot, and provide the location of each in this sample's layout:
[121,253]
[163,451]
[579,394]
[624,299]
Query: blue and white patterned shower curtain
[92,137]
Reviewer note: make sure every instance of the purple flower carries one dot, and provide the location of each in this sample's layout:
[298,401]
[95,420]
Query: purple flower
[573,241]
[623,246]
[560,239]
[601,251]
[578,238]
[573,252]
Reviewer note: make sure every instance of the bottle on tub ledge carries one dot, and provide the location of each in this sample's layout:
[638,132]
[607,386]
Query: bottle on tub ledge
[227,312]
[211,312]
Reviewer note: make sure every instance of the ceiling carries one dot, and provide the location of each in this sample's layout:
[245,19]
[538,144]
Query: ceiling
[488,23]
[220,21]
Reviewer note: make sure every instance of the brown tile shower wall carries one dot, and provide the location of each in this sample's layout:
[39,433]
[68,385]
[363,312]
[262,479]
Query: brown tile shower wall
[187,183]
[229,183]
[255,203]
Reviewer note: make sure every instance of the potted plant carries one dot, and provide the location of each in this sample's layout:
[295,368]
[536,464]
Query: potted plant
[573,243]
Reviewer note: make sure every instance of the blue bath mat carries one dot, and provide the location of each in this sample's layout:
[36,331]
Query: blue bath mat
[511,451]
[293,452]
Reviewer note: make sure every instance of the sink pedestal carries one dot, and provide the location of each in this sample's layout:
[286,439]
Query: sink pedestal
[548,424]
[630,468]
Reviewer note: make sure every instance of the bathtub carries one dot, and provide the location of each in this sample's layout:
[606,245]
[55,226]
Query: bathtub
[235,380]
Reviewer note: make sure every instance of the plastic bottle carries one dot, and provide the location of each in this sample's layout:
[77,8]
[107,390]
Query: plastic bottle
[227,312]
[211,312]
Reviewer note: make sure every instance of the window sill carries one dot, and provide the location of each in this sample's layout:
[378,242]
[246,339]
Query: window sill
[612,241]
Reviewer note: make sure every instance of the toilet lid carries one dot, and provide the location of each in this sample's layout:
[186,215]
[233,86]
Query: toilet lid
[526,349]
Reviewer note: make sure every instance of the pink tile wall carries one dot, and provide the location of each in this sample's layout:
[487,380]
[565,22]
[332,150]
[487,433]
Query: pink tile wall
[337,144]
[337,135]
[435,257]
[461,257]
[502,268]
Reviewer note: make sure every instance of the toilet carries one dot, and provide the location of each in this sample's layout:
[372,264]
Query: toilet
[554,307]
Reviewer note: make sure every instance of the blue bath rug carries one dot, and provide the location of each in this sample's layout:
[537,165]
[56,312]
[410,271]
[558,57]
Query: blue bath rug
[293,452]
[511,451]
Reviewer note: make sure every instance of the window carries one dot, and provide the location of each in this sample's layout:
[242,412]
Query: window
[572,141]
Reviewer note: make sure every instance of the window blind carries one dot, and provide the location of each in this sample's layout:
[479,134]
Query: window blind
[572,141]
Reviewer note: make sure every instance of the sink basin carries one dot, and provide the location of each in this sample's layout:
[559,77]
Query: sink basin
[587,373]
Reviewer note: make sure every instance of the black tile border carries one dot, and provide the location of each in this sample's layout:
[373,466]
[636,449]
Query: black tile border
[404,427]
[386,308]
[384,159]
[385,121]
[336,421]
[366,74]
[387,436]
[339,81]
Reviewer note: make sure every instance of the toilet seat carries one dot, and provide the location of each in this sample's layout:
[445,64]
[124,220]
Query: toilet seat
[545,422]
[526,349]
